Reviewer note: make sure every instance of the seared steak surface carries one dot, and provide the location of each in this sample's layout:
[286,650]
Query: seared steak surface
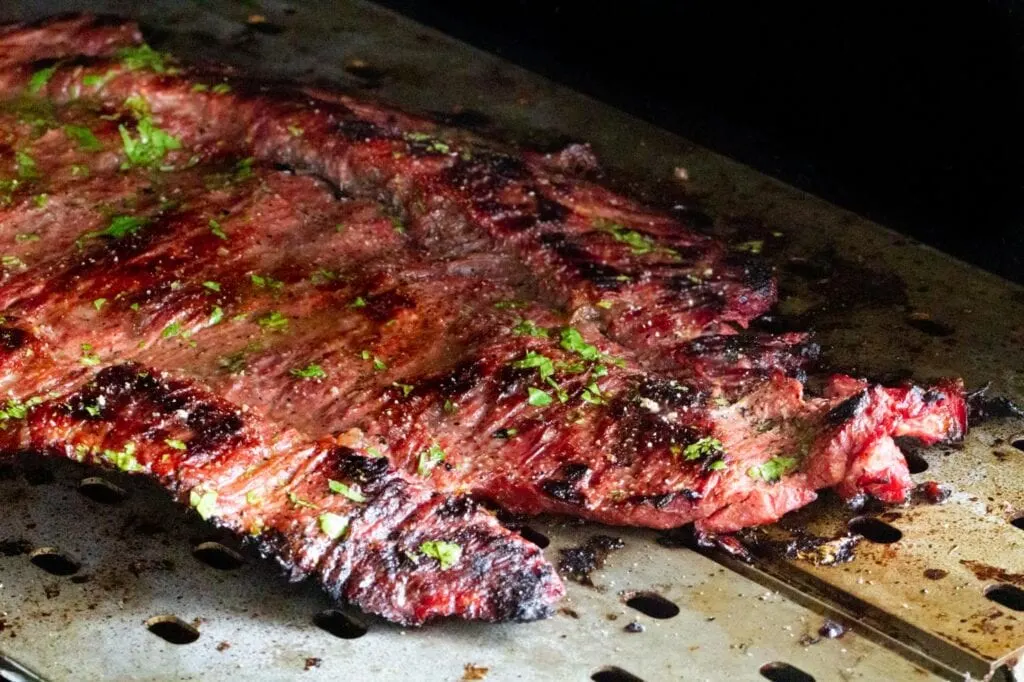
[331,326]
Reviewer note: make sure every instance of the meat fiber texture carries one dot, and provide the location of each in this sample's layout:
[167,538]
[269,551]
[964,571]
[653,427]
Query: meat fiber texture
[335,328]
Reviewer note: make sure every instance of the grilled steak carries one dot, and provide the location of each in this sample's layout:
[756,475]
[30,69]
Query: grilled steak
[330,326]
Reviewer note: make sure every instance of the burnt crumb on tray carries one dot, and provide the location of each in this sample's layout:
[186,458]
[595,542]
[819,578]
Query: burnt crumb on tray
[578,562]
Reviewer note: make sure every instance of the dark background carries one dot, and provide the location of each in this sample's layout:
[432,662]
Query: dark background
[909,113]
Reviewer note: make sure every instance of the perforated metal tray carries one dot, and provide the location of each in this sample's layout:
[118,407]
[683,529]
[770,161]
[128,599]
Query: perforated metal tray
[881,304]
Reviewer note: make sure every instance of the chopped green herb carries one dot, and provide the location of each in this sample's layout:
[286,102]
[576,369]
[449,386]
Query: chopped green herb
[135,306]
[310,371]
[27,237]
[40,78]
[123,459]
[152,143]
[352,492]
[95,80]
[216,229]
[573,342]
[200,87]
[322,276]
[16,409]
[295,131]
[429,459]
[450,407]
[397,225]
[538,398]
[120,226]
[505,434]
[526,327]
[89,359]
[143,57]
[212,286]
[221,89]
[592,394]
[85,138]
[268,282]
[243,169]
[379,365]
[176,444]
[774,469]
[234,363]
[252,497]
[604,303]
[638,242]
[273,321]
[92,410]
[171,330]
[717,465]
[205,503]
[754,246]
[405,388]
[299,502]
[216,315]
[447,553]
[99,303]
[41,199]
[562,395]
[26,165]
[359,302]
[703,447]
[12,262]
[333,526]
[545,367]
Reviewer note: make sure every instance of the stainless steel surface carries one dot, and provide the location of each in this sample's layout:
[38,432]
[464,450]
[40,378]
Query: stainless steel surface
[881,304]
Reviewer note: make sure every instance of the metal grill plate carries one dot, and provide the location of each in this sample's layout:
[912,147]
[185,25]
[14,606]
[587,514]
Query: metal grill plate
[871,307]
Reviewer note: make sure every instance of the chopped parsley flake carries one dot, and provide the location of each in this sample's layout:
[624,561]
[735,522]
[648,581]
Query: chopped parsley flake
[171,330]
[143,57]
[717,465]
[450,407]
[176,444]
[123,459]
[526,327]
[273,321]
[638,242]
[99,303]
[352,492]
[310,371]
[41,199]
[774,469]
[12,262]
[205,503]
[592,394]
[538,398]
[704,447]
[40,78]
[89,359]
[95,80]
[212,286]
[573,342]
[120,226]
[405,388]
[221,89]
[16,409]
[152,143]
[216,229]
[261,282]
[216,315]
[322,276]
[505,434]
[359,302]
[604,303]
[299,502]
[26,165]
[429,459]
[85,138]
[296,131]
[545,367]
[333,526]
[27,237]
[92,410]
[446,553]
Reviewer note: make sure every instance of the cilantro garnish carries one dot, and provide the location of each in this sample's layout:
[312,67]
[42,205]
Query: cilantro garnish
[26,165]
[152,143]
[40,78]
[176,444]
[638,242]
[120,226]
[216,229]
[405,388]
[171,330]
[774,469]
[299,502]
[267,282]
[703,447]
[273,321]
[446,553]
[16,409]
[526,327]
[205,503]
[352,492]
[212,286]
[333,526]
[545,367]
[99,303]
[123,459]
[89,358]
[310,371]
[143,57]
[85,138]
[359,302]
[429,459]
[538,398]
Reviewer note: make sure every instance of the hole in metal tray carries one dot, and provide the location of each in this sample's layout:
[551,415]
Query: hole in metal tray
[875,530]
[172,629]
[216,555]
[101,490]
[535,536]
[1018,443]
[653,605]
[339,624]
[784,672]
[1010,596]
[52,561]
[614,674]
[1018,522]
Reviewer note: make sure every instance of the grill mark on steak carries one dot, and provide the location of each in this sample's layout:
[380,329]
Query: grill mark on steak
[378,294]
